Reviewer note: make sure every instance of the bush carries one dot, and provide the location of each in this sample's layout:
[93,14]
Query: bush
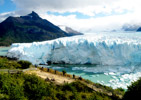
[99,96]
[8,64]
[68,87]
[24,64]
[25,87]
[35,87]
[80,87]
[12,86]
[30,87]
[4,97]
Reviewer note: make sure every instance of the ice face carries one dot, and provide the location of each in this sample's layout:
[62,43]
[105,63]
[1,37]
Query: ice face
[101,49]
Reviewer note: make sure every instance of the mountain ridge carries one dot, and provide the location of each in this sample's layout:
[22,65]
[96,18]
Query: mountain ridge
[131,27]
[28,28]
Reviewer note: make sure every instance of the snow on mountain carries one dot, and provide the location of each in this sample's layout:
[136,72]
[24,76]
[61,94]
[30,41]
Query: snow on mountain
[130,27]
[62,27]
[69,30]
[103,49]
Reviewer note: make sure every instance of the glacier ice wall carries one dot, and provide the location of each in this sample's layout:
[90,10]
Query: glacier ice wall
[111,49]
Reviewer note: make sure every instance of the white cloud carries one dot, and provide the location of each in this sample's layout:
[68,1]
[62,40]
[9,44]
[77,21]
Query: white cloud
[119,12]
[87,7]
[109,23]
[5,15]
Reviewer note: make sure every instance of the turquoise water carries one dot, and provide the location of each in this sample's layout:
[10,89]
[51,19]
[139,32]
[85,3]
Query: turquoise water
[4,50]
[114,76]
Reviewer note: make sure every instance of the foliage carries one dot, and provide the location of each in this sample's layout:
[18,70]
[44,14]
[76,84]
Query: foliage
[4,97]
[24,64]
[134,91]
[35,88]
[64,72]
[11,64]
[11,85]
[30,87]
[99,96]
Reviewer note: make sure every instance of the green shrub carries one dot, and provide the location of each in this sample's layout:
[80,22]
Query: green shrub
[12,86]
[68,87]
[64,72]
[25,87]
[134,91]
[24,64]
[8,64]
[30,87]
[35,87]
[13,65]
[4,97]
[3,61]
[99,96]
[80,87]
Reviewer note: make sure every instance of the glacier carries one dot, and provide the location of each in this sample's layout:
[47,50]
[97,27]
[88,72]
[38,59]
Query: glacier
[100,49]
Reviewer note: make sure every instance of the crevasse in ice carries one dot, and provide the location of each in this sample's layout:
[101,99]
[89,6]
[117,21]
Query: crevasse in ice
[103,49]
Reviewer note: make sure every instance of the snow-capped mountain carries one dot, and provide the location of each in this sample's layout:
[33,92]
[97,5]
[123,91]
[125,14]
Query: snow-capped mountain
[131,27]
[69,30]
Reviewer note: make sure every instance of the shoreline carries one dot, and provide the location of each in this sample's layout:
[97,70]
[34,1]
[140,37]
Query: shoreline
[59,79]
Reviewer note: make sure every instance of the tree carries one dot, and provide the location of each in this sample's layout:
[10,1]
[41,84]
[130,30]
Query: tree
[134,91]
[73,76]
[55,71]
[64,72]
[80,78]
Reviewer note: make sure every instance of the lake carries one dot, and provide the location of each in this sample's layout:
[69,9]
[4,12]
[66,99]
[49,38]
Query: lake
[4,50]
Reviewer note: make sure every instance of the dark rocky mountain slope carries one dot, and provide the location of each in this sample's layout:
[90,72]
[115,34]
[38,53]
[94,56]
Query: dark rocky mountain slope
[28,28]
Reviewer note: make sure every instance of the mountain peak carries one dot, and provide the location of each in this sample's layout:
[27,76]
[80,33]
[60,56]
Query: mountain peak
[28,28]
[33,15]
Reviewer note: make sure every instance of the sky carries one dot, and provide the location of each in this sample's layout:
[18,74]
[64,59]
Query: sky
[81,15]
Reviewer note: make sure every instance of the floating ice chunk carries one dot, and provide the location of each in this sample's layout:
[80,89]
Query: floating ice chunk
[106,73]
[124,80]
[114,77]
[112,73]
